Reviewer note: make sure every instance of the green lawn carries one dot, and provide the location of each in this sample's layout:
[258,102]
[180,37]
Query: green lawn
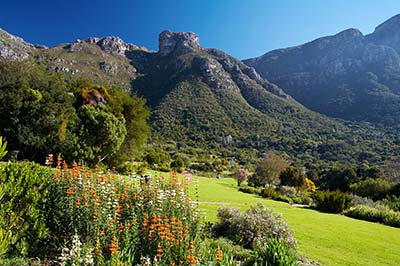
[327,238]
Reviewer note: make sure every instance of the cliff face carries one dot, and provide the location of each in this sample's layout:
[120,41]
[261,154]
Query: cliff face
[347,75]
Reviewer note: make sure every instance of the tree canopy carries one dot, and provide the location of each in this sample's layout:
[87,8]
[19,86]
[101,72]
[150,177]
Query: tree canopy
[41,113]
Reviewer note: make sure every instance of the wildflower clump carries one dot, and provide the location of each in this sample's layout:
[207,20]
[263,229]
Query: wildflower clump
[126,221]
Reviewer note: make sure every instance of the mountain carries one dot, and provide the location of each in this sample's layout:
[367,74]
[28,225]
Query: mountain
[347,75]
[204,98]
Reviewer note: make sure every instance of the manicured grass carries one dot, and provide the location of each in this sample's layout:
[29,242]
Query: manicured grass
[326,238]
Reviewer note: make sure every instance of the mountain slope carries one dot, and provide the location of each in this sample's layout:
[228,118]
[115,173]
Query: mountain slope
[204,98]
[347,75]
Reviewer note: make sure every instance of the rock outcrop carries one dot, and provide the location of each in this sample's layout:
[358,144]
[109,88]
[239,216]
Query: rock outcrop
[15,48]
[177,42]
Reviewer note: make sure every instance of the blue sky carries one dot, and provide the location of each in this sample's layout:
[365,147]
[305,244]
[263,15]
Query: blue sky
[242,28]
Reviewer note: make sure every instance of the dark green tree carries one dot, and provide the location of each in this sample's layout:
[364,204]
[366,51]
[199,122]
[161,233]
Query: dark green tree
[100,133]
[293,177]
[339,177]
[35,109]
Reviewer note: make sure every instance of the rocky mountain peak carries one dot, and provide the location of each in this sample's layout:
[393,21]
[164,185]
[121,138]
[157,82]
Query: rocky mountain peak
[178,42]
[113,45]
[13,47]
[350,33]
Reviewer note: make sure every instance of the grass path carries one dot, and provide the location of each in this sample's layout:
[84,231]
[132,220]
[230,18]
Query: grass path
[327,238]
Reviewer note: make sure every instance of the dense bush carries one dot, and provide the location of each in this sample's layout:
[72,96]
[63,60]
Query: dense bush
[357,200]
[392,202]
[298,196]
[332,201]
[157,158]
[249,190]
[288,191]
[273,252]
[283,198]
[270,193]
[127,168]
[224,251]
[293,177]
[373,188]
[256,224]
[339,177]
[379,214]
[23,191]
[3,146]
[178,164]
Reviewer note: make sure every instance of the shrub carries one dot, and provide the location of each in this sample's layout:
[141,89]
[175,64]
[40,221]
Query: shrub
[357,200]
[283,198]
[298,196]
[332,201]
[224,251]
[157,158]
[270,193]
[372,188]
[380,214]
[274,253]
[127,168]
[392,202]
[250,190]
[24,188]
[293,177]
[257,223]
[288,191]
[19,262]
[178,164]
[3,146]
[309,185]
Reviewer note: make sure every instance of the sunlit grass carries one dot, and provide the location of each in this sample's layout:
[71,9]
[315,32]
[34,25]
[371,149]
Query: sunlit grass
[327,238]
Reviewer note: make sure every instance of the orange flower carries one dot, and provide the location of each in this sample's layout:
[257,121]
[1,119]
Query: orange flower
[218,255]
[191,245]
[113,247]
[159,251]
[191,260]
[121,228]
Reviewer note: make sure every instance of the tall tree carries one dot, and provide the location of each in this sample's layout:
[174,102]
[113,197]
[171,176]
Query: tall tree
[34,109]
[269,168]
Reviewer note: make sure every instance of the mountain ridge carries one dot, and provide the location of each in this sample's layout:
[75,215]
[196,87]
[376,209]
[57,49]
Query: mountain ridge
[203,97]
[347,75]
